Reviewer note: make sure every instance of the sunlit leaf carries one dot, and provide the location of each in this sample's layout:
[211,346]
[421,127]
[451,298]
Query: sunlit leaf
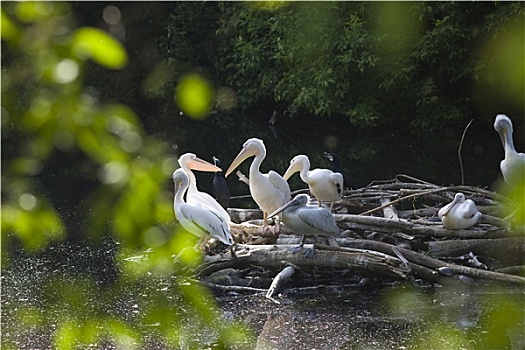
[194,96]
[34,10]
[100,47]
[9,30]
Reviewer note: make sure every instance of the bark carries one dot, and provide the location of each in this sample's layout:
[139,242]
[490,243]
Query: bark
[390,231]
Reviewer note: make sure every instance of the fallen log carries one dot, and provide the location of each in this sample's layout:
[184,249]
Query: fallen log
[367,262]
[238,215]
[279,280]
[432,263]
[362,222]
[510,251]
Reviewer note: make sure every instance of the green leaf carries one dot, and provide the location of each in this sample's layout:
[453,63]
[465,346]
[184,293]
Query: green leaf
[100,47]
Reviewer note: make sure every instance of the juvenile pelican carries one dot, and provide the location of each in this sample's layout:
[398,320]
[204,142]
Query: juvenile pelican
[324,184]
[513,165]
[270,191]
[460,213]
[197,219]
[308,220]
[220,186]
[337,167]
[190,161]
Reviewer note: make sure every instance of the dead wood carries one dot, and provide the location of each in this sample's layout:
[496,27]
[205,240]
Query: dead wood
[513,270]
[366,262]
[507,250]
[238,215]
[398,217]
[278,282]
[431,263]
[432,229]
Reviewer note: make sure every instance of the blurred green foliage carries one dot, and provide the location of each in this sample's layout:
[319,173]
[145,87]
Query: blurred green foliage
[59,140]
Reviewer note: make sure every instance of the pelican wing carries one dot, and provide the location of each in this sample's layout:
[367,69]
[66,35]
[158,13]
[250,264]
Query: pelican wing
[207,222]
[280,183]
[338,180]
[467,210]
[320,220]
[200,199]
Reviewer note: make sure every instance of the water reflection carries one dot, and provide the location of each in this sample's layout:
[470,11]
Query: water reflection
[367,319]
[35,301]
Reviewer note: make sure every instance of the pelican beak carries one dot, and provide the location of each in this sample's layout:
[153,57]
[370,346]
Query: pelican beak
[292,169]
[202,165]
[288,173]
[444,211]
[241,157]
[503,136]
[287,205]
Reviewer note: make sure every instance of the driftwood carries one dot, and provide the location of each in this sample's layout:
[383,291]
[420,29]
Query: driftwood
[507,250]
[279,280]
[390,232]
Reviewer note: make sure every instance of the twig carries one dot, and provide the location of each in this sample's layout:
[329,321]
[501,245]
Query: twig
[459,152]
[442,189]
[231,288]
[414,179]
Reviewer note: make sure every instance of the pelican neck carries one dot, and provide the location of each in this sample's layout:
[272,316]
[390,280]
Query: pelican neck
[509,143]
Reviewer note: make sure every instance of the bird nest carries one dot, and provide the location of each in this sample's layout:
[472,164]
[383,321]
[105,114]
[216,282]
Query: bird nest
[390,232]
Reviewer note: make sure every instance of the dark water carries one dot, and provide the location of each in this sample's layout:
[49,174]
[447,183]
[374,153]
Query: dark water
[377,316]
[392,317]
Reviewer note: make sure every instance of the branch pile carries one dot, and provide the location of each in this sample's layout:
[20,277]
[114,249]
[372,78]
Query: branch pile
[391,232]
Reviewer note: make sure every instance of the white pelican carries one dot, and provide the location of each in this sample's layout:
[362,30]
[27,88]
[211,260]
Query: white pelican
[270,191]
[308,220]
[324,184]
[513,165]
[198,219]
[460,213]
[190,161]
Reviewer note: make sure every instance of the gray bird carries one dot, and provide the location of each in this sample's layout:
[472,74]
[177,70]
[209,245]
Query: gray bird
[308,220]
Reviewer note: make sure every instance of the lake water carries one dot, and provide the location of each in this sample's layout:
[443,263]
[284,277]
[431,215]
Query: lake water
[374,316]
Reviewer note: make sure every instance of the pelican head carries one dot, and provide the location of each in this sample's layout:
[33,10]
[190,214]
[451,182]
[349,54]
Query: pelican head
[299,201]
[296,165]
[193,162]
[251,148]
[458,198]
[180,179]
[513,165]
[503,126]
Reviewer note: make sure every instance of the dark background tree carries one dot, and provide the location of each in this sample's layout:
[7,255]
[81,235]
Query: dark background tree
[353,70]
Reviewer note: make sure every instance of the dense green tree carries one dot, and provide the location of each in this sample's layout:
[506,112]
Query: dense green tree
[375,63]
